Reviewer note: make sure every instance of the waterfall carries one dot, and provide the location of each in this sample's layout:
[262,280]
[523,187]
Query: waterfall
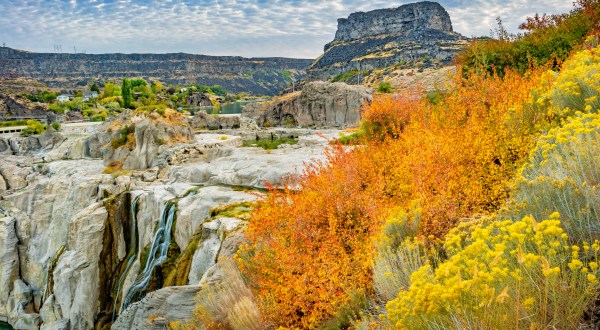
[133,248]
[157,253]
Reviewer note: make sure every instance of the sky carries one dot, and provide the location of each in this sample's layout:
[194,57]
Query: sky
[250,28]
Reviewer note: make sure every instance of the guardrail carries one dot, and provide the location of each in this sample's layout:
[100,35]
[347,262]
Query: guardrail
[12,129]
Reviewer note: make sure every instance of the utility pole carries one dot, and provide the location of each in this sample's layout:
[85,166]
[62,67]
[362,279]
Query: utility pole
[74,50]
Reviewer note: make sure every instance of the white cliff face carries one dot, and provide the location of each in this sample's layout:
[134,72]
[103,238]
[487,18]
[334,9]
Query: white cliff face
[67,231]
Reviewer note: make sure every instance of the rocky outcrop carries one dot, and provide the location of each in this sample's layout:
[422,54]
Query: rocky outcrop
[203,120]
[319,104]
[424,15]
[159,308]
[133,141]
[261,76]
[198,100]
[380,38]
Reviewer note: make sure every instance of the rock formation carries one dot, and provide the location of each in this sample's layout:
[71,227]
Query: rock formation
[318,104]
[198,100]
[74,241]
[203,120]
[261,76]
[384,37]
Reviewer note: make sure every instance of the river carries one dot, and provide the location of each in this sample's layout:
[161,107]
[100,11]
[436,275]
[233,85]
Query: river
[225,108]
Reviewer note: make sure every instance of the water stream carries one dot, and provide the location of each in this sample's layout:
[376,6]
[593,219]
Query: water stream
[157,253]
[132,255]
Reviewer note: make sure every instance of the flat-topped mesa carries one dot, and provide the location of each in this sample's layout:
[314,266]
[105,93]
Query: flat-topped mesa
[387,37]
[404,19]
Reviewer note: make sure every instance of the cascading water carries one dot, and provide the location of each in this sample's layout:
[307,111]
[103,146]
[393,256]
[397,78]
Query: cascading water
[157,254]
[132,255]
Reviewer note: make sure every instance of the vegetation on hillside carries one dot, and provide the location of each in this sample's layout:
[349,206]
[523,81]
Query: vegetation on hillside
[548,40]
[475,207]
[136,94]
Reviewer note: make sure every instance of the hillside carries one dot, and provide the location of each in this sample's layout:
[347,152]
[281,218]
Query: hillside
[261,76]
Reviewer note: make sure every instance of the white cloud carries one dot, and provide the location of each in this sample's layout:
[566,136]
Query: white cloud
[296,28]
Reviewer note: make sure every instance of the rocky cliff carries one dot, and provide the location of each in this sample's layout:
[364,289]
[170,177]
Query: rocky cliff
[384,37]
[236,74]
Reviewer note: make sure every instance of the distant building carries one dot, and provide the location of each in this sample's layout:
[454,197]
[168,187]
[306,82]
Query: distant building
[63,98]
[89,95]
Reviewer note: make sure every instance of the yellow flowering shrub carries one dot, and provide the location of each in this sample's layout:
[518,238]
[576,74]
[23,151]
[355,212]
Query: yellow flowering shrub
[505,275]
[563,174]
[576,88]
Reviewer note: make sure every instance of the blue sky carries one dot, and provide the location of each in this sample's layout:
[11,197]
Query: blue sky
[292,28]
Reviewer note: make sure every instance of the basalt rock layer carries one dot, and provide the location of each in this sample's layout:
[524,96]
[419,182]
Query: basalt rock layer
[264,76]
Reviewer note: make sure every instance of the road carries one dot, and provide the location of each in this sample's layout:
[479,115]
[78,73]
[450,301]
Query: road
[67,127]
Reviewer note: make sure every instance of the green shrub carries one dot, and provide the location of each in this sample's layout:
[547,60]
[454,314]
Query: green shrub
[399,254]
[353,138]
[269,144]
[344,77]
[56,107]
[34,127]
[435,97]
[12,123]
[56,126]
[550,40]
[384,87]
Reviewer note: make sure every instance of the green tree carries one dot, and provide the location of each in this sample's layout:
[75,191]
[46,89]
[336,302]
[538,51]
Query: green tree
[126,92]
[111,89]
[138,82]
[95,88]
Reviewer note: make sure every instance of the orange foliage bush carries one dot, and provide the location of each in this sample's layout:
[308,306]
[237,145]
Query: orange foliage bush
[456,156]
[310,250]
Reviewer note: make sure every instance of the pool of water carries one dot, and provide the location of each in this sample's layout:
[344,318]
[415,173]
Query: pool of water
[225,108]
[5,326]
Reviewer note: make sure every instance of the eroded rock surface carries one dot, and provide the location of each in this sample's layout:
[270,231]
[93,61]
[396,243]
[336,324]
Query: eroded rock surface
[74,241]
[319,104]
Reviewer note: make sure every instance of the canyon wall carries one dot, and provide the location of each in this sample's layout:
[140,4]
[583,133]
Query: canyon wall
[265,76]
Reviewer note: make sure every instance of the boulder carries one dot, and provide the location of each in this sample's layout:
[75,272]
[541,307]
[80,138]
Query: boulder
[203,120]
[149,137]
[206,254]
[5,147]
[194,210]
[198,100]
[51,139]
[159,308]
